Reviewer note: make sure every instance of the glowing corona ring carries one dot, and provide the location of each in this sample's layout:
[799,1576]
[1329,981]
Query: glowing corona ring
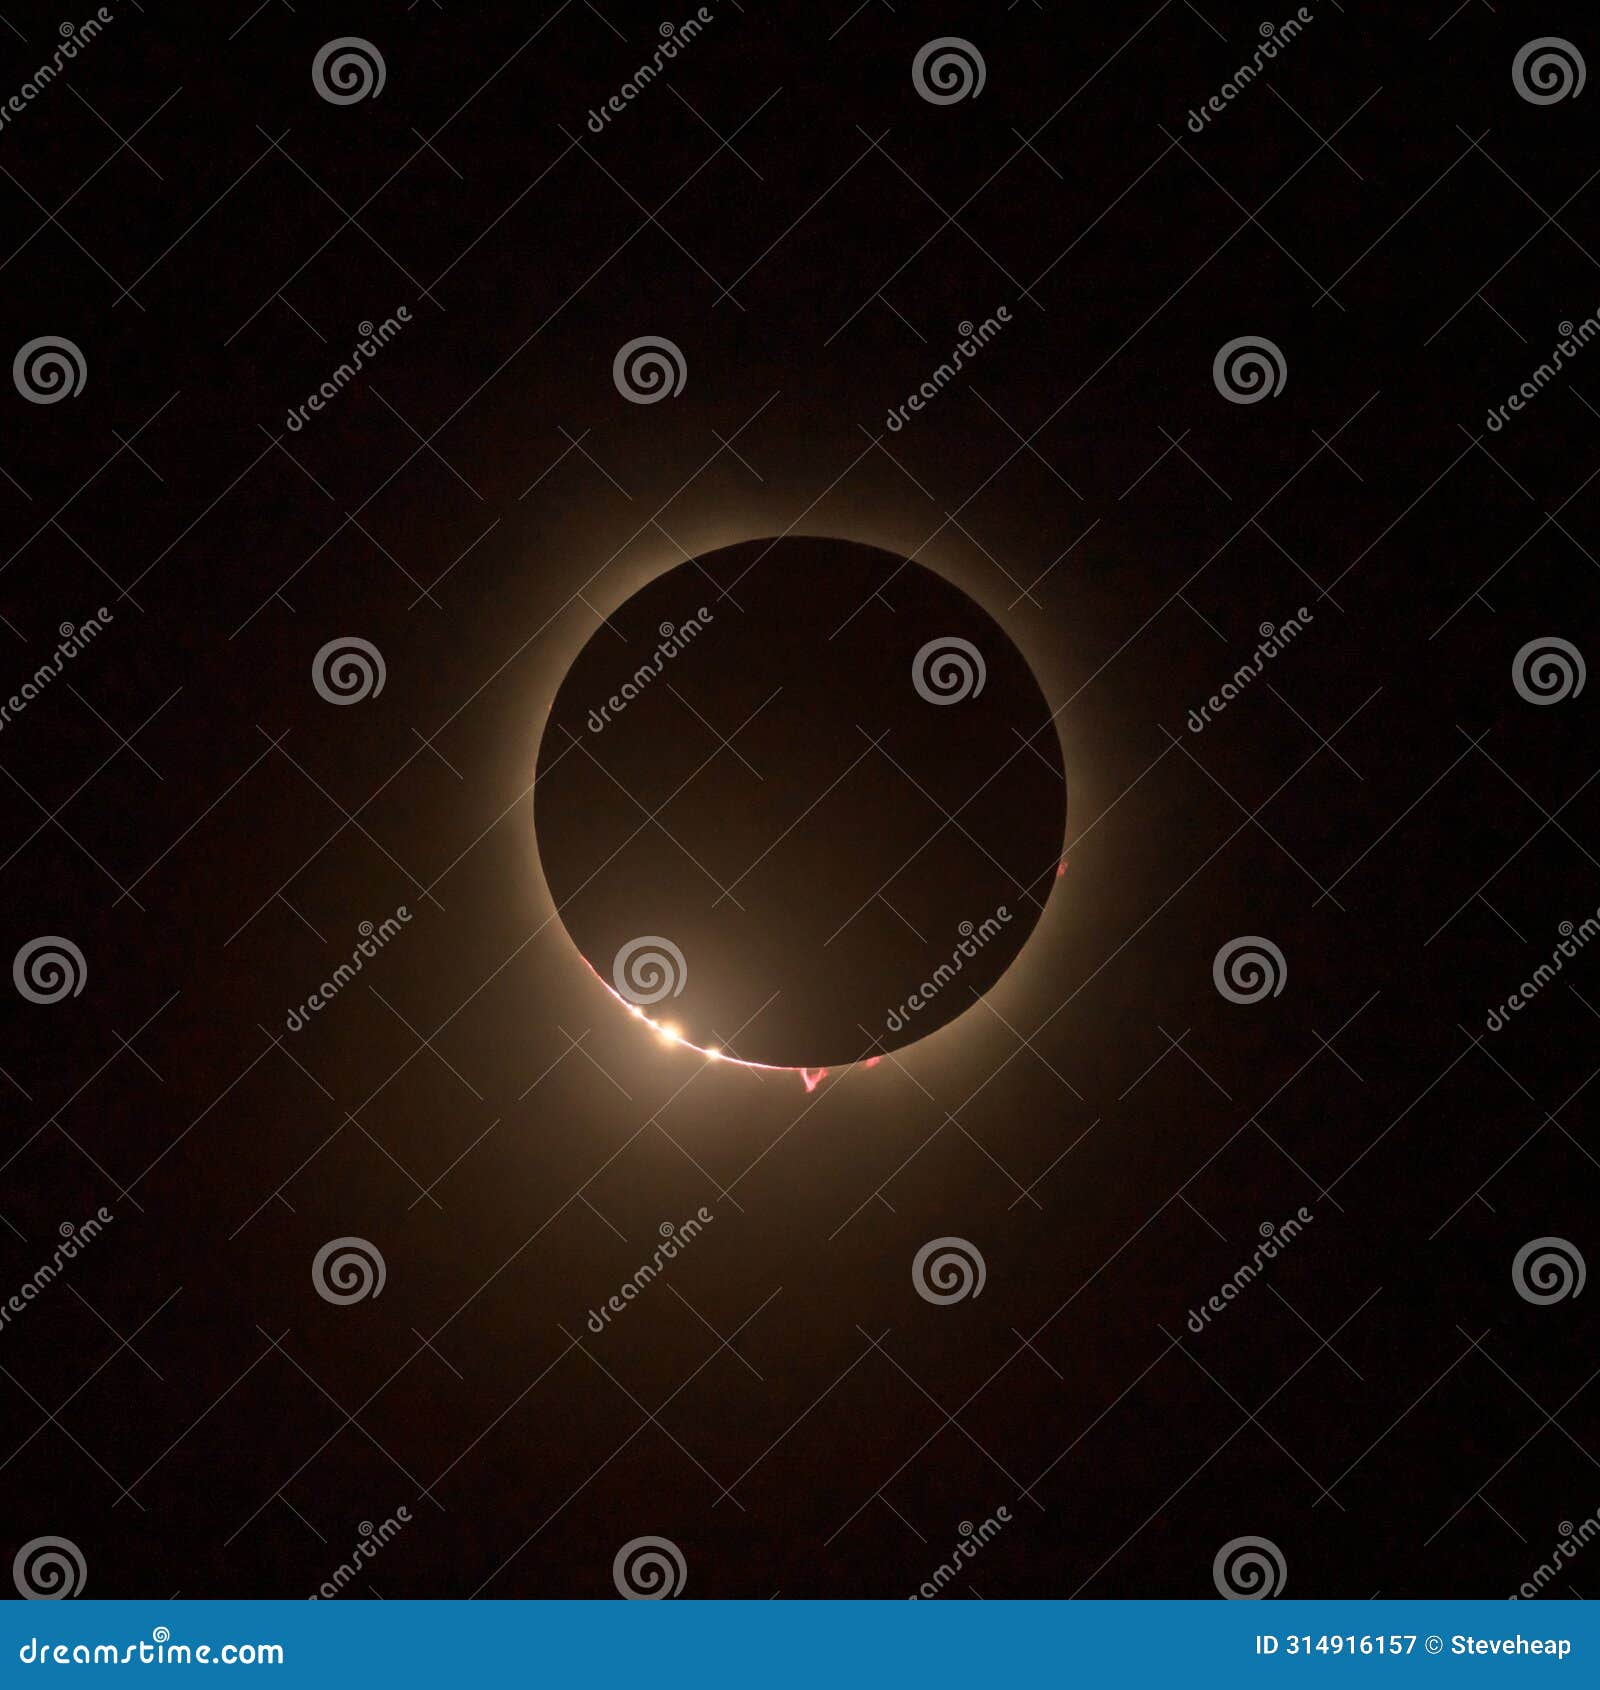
[814,670]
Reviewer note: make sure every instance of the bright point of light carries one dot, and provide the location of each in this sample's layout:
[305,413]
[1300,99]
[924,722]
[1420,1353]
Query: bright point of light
[670,1034]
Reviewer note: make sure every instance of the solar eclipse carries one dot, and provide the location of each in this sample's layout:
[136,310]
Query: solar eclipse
[799,802]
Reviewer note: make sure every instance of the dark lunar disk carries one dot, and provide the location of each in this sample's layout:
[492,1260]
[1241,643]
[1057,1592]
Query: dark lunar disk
[800,800]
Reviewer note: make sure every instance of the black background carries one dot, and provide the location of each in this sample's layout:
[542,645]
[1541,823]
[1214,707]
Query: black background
[182,805]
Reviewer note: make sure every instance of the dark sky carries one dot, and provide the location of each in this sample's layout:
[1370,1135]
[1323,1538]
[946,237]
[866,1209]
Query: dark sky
[1107,1132]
